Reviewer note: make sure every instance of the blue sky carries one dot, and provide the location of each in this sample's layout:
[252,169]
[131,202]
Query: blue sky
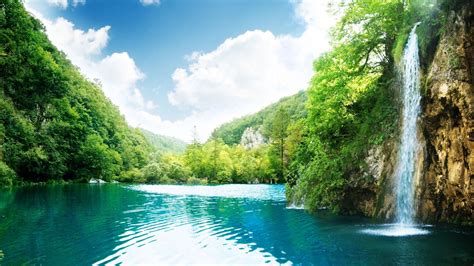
[175,64]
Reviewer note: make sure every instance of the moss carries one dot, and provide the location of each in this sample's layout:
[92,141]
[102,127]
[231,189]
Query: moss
[428,38]
[454,62]
[399,46]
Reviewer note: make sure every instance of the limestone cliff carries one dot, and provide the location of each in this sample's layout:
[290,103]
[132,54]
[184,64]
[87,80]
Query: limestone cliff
[445,188]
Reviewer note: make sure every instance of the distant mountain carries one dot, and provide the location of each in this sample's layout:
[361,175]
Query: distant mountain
[231,132]
[163,143]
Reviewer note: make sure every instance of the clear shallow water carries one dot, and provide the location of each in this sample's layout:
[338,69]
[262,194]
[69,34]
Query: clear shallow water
[231,224]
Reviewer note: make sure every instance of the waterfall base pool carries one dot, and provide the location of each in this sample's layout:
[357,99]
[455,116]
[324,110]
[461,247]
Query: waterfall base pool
[228,224]
[397,230]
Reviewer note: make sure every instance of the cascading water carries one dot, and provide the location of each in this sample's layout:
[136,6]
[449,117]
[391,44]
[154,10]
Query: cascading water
[408,150]
[407,153]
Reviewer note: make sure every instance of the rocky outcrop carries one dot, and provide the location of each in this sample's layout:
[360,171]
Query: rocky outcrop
[370,192]
[445,188]
[386,198]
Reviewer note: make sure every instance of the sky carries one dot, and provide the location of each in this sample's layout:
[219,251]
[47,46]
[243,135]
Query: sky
[172,65]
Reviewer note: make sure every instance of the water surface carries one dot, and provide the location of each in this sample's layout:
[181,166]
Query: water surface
[228,224]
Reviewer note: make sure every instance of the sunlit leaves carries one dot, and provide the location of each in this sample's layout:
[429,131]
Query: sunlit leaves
[345,102]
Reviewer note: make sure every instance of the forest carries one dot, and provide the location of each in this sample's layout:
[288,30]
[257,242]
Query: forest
[57,126]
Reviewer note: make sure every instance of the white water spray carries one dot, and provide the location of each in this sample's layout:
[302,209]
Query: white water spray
[407,153]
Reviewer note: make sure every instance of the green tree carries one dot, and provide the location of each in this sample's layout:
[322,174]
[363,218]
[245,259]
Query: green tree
[7,175]
[194,158]
[350,106]
[276,128]
[154,173]
[97,160]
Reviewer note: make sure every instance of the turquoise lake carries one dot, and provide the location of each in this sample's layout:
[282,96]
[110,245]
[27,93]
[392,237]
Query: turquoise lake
[228,224]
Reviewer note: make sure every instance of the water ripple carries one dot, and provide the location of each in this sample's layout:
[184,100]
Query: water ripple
[193,220]
[135,225]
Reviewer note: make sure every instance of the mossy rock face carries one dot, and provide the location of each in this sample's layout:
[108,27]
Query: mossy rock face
[429,32]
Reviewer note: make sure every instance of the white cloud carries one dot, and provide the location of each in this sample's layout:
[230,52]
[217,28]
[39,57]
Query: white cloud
[64,3]
[76,43]
[150,2]
[78,2]
[119,75]
[250,71]
[60,3]
[242,75]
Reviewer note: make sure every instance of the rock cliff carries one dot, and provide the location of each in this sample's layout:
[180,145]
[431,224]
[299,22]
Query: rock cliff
[446,186]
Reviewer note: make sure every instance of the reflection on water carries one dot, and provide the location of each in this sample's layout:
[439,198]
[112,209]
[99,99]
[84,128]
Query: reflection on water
[230,224]
[254,192]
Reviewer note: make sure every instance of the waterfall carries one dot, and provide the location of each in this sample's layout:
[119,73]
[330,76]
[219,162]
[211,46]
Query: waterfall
[408,149]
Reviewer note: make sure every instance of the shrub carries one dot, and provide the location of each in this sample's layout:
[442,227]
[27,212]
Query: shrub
[196,181]
[133,175]
[7,175]
[153,173]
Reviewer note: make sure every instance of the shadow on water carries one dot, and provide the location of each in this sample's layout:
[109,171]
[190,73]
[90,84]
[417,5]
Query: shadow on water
[85,224]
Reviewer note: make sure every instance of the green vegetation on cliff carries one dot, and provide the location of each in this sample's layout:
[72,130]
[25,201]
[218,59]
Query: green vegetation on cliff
[350,104]
[352,98]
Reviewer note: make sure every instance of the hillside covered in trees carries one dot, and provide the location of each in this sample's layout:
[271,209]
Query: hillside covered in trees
[58,126]
[164,144]
[55,125]
[231,132]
